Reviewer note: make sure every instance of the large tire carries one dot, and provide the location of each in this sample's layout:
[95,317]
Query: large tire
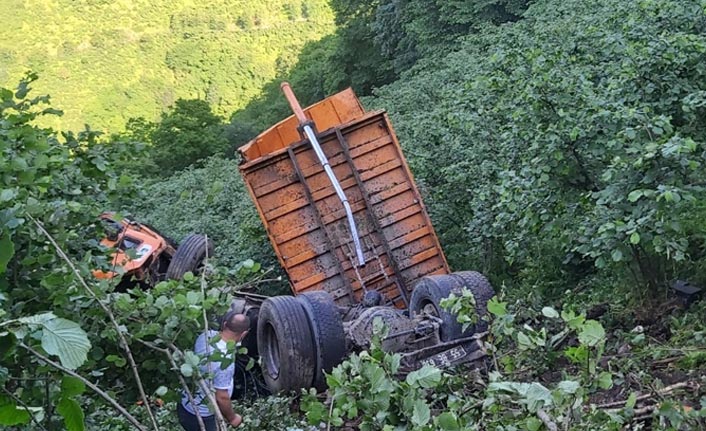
[327,329]
[482,292]
[430,290]
[285,344]
[189,256]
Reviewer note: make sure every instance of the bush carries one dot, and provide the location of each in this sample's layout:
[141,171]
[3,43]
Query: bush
[574,136]
[210,200]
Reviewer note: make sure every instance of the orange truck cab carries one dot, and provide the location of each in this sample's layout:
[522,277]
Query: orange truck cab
[140,252]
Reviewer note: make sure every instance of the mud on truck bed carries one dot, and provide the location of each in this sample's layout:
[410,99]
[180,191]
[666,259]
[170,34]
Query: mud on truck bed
[349,227]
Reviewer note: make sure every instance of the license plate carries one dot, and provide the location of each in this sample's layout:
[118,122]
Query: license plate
[445,358]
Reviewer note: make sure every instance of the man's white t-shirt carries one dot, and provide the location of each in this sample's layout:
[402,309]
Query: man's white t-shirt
[221,379]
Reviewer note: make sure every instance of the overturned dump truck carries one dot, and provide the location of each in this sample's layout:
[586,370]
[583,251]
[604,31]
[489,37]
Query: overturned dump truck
[349,227]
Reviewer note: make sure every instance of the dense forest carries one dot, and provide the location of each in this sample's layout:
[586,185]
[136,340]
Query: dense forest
[559,146]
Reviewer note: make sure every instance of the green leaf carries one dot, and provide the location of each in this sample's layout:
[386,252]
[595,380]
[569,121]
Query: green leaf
[37,319]
[12,415]
[118,360]
[533,424]
[8,344]
[605,380]
[538,396]
[577,355]
[635,195]
[632,400]
[7,250]
[550,312]
[568,386]
[72,414]
[447,422]
[7,195]
[71,386]
[66,340]
[616,255]
[573,320]
[496,307]
[591,333]
[635,238]
[426,377]
[524,342]
[22,89]
[421,413]
[5,95]
[191,358]
[161,391]
[186,370]
[192,297]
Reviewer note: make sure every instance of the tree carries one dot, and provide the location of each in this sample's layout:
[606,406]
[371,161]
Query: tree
[185,135]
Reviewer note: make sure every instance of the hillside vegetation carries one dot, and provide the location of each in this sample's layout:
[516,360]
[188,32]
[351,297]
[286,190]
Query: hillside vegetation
[104,62]
[559,145]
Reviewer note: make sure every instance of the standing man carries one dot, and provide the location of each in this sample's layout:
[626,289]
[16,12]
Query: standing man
[234,327]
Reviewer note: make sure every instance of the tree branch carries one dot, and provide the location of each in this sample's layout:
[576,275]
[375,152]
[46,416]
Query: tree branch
[551,426]
[199,419]
[664,391]
[206,391]
[88,383]
[123,341]
[220,422]
[24,406]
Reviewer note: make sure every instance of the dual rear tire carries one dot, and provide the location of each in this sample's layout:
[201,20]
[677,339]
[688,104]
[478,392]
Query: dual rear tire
[298,340]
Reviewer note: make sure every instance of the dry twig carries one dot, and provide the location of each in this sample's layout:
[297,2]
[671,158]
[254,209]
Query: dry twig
[548,422]
[664,391]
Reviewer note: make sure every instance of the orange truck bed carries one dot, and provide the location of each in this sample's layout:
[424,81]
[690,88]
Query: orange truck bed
[306,222]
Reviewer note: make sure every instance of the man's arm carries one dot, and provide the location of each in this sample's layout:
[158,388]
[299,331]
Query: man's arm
[226,408]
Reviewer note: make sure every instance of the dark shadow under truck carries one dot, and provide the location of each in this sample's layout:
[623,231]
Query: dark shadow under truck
[350,229]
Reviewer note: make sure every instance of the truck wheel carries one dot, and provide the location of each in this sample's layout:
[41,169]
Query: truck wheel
[430,290]
[189,256]
[327,328]
[482,292]
[285,344]
[426,298]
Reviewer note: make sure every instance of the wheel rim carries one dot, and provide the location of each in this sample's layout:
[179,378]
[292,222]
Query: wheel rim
[271,353]
[428,307]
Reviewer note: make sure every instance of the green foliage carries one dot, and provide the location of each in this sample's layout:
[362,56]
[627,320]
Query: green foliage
[519,394]
[388,401]
[405,30]
[463,306]
[70,410]
[210,200]
[185,135]
[57,188]
[270,413]
[596,133]
[63,183]
[107,62]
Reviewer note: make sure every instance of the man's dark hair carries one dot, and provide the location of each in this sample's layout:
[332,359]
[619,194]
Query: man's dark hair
[236,322]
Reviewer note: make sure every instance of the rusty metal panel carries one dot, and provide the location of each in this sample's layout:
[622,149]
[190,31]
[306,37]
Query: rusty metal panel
[306,221]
